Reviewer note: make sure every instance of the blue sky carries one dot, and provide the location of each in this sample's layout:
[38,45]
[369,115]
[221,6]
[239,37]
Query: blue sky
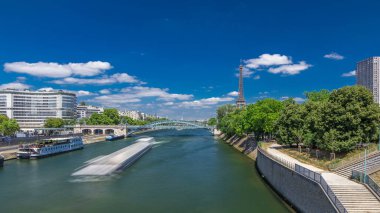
[179,58]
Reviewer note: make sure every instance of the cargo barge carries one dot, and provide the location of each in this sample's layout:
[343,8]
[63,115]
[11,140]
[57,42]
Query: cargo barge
[116,161]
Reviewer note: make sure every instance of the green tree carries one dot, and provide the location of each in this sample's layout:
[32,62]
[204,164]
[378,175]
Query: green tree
[322,95]
[349,118]
[113,115]
[261,117]
[9,127]
[54,123]
[82,103]
[224,110]
[3,118]
[211,122]
[99,119]
[290,125]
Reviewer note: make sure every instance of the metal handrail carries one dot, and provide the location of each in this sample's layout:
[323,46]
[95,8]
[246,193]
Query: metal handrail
[352,159]
[367,180]
[315,176]
[277,159]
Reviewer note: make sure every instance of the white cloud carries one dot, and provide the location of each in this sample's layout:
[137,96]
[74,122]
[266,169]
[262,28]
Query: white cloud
[233,93]
[81,93]
[115,78]
[162,94]
[334,56]
[56,70]
[257,77]
[137,93]
[291,69]
[268,60]
[105,91]
[349,74]
[297,99]
[14,85]
[205,103]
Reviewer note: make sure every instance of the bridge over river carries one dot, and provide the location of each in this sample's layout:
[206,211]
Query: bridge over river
[130,129]
[170,124]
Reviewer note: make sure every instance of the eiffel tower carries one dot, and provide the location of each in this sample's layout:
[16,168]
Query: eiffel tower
[240,102]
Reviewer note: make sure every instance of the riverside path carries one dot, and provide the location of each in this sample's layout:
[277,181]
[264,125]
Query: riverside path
[354,197]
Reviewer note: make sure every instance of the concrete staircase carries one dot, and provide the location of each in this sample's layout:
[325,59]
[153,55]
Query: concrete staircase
[354,197]
[373,161]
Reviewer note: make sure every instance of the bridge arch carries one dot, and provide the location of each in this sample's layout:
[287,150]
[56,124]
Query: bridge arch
[98,132]
[109,131]
[87,131]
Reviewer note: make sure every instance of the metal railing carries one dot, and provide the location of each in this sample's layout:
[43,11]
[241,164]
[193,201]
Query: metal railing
[360,156]
[317,177]
[366,179]
[281,161]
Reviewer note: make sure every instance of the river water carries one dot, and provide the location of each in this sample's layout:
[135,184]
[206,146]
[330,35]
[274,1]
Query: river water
[184,172]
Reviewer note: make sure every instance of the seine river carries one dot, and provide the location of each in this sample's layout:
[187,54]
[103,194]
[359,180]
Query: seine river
[182,173]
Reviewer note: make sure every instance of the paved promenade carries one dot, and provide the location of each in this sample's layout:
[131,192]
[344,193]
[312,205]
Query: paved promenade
[355,197]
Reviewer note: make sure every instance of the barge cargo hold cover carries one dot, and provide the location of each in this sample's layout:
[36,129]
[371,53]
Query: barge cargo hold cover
[116,161]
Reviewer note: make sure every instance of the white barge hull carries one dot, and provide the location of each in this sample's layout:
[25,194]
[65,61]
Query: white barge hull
[106,165]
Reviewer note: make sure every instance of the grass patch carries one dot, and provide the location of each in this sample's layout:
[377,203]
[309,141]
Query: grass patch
[265,145]
[376,177]
[323,161]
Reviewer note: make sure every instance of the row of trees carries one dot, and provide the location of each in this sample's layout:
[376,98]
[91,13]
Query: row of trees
[334,121]
[108,117]
[8,126]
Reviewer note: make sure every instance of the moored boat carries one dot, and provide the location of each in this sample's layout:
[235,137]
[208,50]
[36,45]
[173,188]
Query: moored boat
[114,137]
[49,147]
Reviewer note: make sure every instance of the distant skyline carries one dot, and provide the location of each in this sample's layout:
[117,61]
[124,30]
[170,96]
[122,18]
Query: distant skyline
[181,58]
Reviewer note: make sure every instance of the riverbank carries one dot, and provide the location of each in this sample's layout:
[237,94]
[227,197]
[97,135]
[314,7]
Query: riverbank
[246,145]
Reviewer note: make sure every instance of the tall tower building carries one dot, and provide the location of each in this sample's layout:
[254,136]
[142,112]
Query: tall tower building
[240,102]
[367,75]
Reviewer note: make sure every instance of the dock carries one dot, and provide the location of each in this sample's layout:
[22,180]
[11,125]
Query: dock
[116,161]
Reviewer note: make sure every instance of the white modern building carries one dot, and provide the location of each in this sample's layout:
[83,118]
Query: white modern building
[367,75]
[31,108]
[85,111]
[136,115]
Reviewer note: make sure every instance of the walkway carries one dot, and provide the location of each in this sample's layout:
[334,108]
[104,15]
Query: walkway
[355,197]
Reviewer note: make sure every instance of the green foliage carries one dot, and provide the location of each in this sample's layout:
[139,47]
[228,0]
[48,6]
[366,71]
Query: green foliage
[3,118]
[82,103]
[99,119]
[54,123]
[334,121]
[258,118]
[322,95]
[113,115]
[212,122]
[130,121]
[9,127]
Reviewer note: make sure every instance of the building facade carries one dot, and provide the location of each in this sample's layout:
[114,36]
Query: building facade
[367,75]
[136,115]
[85,111]
[32,108]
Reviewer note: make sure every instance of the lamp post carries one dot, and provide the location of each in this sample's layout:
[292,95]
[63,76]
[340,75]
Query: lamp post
[365,165]
[378,148]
